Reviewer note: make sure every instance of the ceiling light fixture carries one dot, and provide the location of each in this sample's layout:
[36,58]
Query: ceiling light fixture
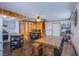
[38,19]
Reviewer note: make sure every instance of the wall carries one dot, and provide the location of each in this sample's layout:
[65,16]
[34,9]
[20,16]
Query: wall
[29,26]
[53,28]
[75,31]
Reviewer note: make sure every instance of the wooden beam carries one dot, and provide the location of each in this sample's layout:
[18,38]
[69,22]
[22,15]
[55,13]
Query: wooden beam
[11,13]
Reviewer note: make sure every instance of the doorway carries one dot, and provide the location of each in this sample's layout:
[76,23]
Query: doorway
[52,29]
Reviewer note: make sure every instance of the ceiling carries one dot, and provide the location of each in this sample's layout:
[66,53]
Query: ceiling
[49,10]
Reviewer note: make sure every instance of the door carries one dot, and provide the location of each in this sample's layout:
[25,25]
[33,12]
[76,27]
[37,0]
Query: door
[48,29]
[52,29]
[56,29]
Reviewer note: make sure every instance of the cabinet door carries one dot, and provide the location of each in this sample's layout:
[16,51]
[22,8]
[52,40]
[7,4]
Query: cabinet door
[1,36]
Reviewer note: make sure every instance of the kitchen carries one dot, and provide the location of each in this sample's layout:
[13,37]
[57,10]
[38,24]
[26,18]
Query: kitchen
[24,35]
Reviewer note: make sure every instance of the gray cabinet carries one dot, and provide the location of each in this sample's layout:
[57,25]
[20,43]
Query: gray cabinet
[1,37]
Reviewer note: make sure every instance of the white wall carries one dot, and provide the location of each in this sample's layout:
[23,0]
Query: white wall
[53,28]
[75,31]
[1,40]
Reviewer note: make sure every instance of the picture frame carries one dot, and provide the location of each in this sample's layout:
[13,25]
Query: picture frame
[74,18]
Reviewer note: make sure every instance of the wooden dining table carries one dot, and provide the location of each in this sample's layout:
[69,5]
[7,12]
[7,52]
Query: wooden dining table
[49,43]
[54,41]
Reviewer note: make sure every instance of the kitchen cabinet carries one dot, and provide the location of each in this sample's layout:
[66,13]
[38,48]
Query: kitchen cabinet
[1,37]
[8,25]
